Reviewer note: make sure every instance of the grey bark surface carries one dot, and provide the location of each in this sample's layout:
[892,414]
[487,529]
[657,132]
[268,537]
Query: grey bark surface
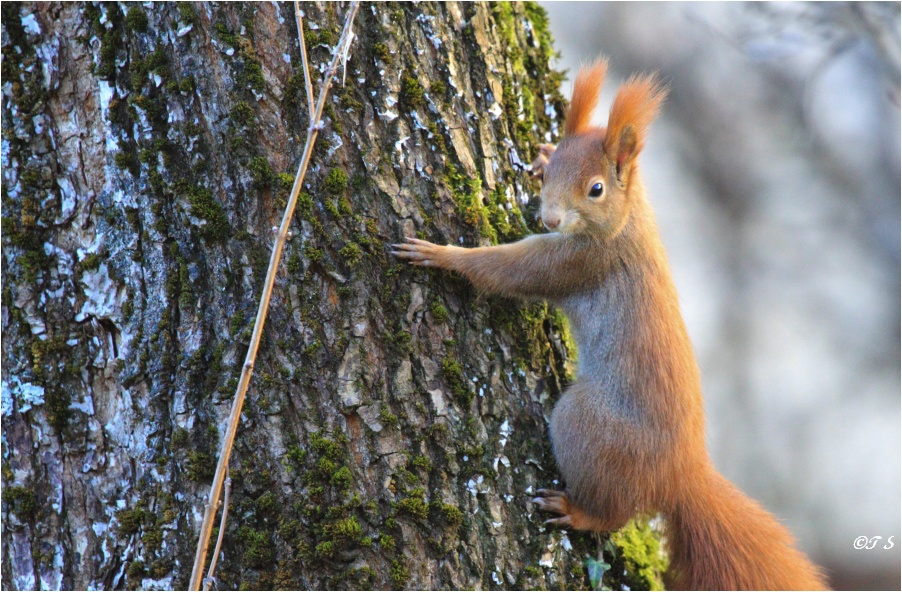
[395,424]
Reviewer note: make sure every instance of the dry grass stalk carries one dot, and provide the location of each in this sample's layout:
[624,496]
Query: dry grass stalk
[339,53]
[208,581]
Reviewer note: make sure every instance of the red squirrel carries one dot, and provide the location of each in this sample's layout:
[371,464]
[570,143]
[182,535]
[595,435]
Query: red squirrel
[628,434]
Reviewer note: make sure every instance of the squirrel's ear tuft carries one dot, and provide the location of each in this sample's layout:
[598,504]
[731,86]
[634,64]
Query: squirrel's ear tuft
[637,103]
[585,97]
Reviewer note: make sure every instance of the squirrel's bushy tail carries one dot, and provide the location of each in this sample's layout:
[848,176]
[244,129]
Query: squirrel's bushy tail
[719,539]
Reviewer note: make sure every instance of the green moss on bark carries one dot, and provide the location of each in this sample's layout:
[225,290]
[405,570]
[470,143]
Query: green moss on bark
[640,556]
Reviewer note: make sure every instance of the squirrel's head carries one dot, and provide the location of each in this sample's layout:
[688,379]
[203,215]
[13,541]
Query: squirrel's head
[586,179]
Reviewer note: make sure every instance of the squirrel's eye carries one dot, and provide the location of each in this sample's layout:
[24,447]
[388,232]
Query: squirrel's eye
[596,190]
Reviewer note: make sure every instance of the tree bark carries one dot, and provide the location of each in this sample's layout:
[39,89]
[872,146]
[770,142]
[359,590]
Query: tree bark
[395,425]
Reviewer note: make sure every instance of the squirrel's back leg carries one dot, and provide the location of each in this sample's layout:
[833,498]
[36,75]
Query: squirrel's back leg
[605,459]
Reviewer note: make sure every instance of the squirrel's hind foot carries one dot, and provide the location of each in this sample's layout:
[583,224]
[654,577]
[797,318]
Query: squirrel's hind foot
[550,500]
[559,502]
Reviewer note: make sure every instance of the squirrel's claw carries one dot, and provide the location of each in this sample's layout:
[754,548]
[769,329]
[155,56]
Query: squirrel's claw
[417,241]
[551,493]
[557,502]
[550,500]
[562,521]
[417,252]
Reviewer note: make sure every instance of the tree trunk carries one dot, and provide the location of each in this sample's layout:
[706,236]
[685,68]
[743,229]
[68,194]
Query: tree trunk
[395,424]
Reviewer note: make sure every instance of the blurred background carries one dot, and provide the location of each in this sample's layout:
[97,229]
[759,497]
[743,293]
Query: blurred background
[775,175]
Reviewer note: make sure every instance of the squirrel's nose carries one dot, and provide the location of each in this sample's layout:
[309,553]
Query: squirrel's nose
[551,222]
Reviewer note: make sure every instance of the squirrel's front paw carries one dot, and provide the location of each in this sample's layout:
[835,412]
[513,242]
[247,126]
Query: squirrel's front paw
[420,252]
[537,170]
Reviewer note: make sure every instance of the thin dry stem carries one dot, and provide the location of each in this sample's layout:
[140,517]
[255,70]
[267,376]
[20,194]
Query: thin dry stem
[222,523]
[235,415]
[307,83]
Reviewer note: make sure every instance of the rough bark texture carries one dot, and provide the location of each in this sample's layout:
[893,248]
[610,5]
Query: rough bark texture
[396,421]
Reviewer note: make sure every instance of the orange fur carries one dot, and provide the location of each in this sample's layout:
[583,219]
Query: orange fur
[628,434]
[585,97]
[636,105]
[722,540]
